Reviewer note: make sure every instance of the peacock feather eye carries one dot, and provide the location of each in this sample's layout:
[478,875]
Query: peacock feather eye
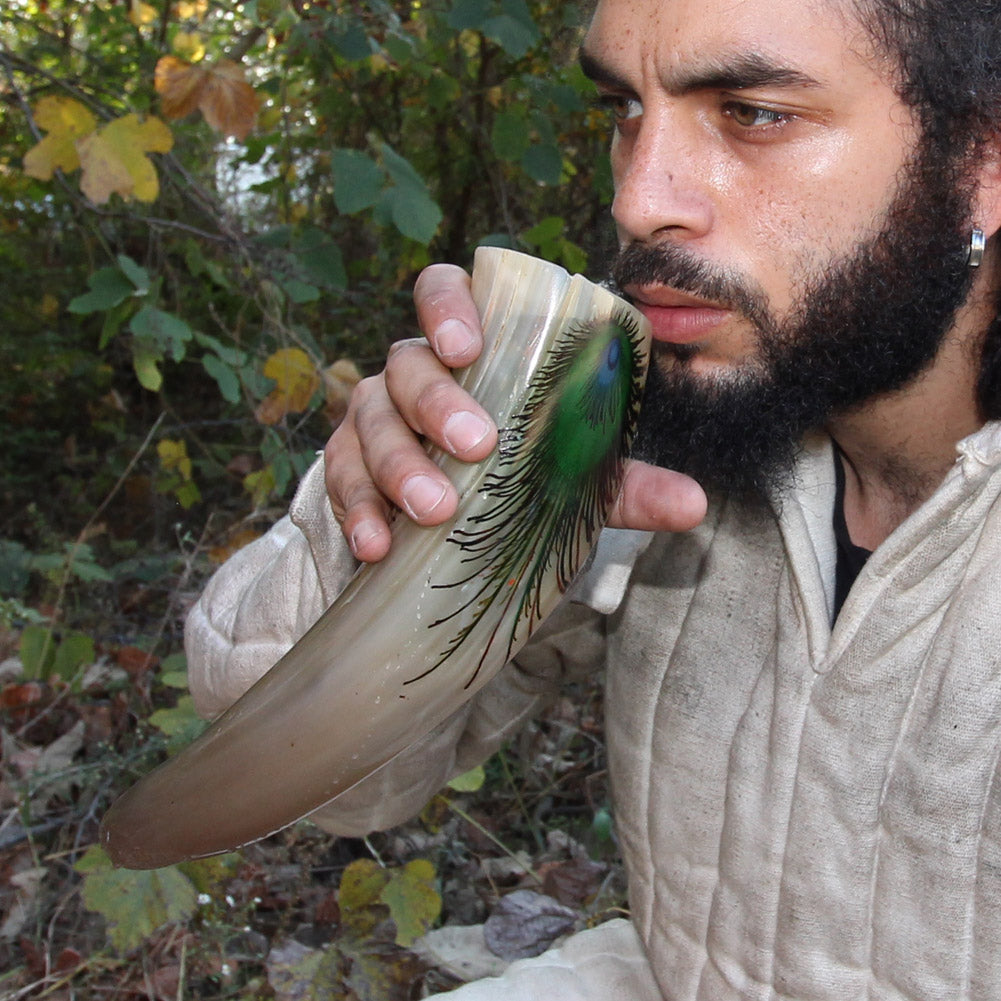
[558,469]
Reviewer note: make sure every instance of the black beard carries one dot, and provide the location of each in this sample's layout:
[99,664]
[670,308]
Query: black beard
[866,326]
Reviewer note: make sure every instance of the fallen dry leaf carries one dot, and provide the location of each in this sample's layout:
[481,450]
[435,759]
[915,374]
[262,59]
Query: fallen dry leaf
[525,923]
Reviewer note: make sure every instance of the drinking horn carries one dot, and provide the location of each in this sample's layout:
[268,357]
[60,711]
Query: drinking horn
[413,637]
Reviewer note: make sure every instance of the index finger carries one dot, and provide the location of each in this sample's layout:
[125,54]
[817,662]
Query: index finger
[447,314]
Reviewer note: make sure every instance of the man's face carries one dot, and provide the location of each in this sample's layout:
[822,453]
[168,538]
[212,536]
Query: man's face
[775,216]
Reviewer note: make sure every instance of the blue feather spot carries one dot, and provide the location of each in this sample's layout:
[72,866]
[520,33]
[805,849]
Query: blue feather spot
[612,355]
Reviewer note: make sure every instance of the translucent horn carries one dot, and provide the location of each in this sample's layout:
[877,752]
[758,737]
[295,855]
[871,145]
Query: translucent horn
[415,636]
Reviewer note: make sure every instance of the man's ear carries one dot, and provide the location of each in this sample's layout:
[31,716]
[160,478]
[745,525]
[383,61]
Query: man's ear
[987,200]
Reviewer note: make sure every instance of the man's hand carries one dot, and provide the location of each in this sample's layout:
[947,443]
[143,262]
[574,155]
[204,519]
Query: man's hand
[374,459]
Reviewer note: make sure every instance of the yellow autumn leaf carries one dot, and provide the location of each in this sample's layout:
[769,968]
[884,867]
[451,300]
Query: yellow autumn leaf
[220,92]
[174,457]
[141,14]
[296,380]
[66,121]
[187,10]
[114,159]
[188,45]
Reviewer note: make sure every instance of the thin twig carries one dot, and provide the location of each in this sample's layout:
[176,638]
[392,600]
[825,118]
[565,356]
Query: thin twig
[91,521]
[500,844]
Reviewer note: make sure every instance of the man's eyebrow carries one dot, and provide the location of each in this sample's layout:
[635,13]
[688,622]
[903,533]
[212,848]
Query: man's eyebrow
[743,71]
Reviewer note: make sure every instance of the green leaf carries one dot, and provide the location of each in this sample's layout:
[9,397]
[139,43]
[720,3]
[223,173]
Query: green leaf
[135,273]
[227,380]
[37,652]
[15,567]
[358,180]
[414,214]
[351,43]
[108,288]
[401,170]
[187,494]
[299,291]
[470,781]
[509,137]
[413,211]
[412,899]
[467,14]
[84,566]
[181,724]
[208,874]
[145,357]
[549,229]
[543,164]
[229,355]
[133,903]
[320,258]
[113,320]
[513,35]
[173,663]
[73,652]
[167,331]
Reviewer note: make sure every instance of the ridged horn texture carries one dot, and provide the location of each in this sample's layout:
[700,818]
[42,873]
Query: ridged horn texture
[415,636]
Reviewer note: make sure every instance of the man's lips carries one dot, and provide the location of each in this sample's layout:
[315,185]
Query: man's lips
[676,317]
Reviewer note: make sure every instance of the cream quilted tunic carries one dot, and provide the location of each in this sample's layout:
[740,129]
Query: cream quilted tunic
[804,813]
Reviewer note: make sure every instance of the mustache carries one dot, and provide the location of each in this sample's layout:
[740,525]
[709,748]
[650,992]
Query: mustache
[670,265]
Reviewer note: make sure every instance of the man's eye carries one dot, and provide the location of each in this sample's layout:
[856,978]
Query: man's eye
[622,108]
[750,116]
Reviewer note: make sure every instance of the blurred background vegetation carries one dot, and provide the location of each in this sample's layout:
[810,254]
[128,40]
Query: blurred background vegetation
[211,216]
[308,160]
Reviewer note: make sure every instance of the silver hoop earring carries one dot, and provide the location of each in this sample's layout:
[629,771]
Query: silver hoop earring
[977,244]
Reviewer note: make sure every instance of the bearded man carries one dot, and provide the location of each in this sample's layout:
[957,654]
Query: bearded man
[804,668]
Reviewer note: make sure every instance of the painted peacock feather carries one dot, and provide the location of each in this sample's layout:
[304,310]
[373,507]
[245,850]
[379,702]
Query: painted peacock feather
[558,469]
[415,636]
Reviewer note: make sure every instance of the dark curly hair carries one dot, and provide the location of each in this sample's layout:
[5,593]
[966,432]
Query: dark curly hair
[948,53]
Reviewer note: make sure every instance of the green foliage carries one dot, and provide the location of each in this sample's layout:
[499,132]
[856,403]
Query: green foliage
[181,724]
[470,781]
[409,892]
[135,904]
[385,135]
[45,654]
[365,961]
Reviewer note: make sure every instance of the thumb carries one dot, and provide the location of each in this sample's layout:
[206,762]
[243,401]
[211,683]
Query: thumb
[652,499]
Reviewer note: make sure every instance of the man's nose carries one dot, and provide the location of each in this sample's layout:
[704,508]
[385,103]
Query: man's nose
[661,187]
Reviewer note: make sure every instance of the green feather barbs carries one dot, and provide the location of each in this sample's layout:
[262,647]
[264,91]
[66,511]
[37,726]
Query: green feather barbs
[560,464]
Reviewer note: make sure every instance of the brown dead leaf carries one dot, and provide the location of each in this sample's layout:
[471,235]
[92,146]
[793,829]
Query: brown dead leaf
[234,543]
[135,661]
[179,85]
[573,882]
[525,923]
[220,91]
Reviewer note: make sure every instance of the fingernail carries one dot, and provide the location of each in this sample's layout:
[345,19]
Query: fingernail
[452,338]
[362,534]
[464,430]
[421,495]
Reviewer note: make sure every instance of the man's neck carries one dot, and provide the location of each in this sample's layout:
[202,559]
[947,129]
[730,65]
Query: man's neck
[898,448]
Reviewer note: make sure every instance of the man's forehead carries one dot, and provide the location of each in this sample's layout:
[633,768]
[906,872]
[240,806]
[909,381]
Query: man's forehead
[811,42]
